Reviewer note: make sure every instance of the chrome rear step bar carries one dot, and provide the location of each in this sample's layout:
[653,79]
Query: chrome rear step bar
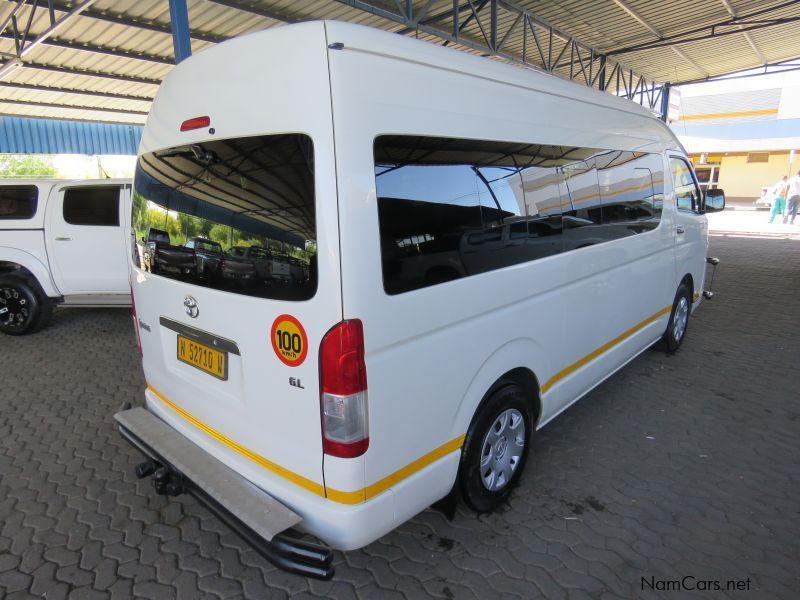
[177,466]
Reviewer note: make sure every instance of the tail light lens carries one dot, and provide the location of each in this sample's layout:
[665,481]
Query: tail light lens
[136,322]
[343,389]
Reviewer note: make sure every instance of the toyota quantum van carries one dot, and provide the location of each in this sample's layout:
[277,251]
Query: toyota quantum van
[480,245]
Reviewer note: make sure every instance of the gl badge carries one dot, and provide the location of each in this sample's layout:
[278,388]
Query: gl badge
[190,306]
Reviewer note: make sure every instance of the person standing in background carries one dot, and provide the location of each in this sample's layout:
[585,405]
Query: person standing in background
[793,199]
[779,204]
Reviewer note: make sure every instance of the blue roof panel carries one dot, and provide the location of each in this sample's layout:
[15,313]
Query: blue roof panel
[47,136]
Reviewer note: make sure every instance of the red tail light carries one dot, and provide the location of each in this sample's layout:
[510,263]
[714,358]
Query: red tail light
[343,391]
[195,123]
[136,322]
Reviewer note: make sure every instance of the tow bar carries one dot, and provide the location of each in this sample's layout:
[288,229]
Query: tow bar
[178,466]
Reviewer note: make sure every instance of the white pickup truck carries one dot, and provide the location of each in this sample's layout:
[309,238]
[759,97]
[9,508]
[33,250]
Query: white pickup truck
[61,242]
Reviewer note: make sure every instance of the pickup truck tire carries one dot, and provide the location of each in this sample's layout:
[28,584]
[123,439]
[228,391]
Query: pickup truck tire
[25,308]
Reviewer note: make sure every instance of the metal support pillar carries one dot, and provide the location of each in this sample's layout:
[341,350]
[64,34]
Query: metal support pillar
[179,22]
[664,101]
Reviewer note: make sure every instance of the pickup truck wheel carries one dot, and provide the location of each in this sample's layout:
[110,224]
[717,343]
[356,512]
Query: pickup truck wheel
[495,449]
[22,309]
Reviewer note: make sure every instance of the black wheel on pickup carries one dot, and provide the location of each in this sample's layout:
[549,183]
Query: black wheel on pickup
[23,308]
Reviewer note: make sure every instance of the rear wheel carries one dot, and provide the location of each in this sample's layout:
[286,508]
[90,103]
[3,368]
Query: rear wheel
[22,309]
[678,320]
[495,449]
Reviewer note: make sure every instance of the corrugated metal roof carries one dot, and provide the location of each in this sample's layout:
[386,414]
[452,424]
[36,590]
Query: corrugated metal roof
[46,136]
[106,63]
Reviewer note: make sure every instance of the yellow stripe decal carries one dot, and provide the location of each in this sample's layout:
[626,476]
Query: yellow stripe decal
[355,497]
[604,348]
[270,466]
[727,115]
[362,495]
[387,482]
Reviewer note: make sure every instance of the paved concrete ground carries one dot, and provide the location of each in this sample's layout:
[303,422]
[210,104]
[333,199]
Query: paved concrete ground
[683,465]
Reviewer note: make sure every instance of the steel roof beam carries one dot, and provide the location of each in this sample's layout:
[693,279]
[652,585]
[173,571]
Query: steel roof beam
[73,107]
[761,58]
[644,23]
[260,11]
[88,73]
[64,90]
[97,49]
[740,24]
[179,23]
[581,59]
[782,66]
[24,47]
[119,19]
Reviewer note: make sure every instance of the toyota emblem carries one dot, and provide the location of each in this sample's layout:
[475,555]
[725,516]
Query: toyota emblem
[190,306]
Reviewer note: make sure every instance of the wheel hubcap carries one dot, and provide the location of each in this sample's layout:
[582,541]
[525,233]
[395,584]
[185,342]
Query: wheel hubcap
[14,310]
[681,318]
[502,449]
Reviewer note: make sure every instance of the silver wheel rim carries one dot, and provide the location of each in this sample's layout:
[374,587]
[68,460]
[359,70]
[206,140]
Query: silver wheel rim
[681,318]
[502,449]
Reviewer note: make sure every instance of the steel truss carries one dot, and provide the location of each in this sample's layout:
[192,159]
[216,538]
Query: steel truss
[501,28]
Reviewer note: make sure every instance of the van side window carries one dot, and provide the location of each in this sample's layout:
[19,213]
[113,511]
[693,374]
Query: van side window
[97,206]
[451,208]
[18,201]
[687,193]
[583,218]
[632,191]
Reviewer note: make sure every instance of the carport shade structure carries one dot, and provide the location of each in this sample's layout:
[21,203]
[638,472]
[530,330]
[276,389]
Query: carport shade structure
[102,60]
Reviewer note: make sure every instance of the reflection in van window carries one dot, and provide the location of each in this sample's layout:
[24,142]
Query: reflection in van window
[236,214]
[686,193]
[450,208]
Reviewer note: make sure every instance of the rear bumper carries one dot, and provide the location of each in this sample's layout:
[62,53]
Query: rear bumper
[178,465]
[341,526]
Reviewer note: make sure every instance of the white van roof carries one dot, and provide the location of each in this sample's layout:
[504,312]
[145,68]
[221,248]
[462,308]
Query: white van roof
[302,43]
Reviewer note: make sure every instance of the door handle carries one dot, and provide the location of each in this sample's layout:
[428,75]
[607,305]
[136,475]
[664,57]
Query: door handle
[63,239]
[680,229]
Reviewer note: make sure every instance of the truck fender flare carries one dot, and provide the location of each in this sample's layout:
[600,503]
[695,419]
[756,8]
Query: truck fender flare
[32,264]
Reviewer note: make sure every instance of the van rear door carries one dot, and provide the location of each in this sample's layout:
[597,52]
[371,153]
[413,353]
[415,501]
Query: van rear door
[230,361]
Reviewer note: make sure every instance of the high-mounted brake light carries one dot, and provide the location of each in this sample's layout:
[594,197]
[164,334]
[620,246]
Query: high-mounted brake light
[343,391]
[195,123]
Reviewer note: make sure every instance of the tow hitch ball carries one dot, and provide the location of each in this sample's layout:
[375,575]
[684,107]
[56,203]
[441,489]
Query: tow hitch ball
[166,482]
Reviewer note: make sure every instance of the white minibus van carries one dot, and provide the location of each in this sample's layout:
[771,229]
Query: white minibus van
[480,245]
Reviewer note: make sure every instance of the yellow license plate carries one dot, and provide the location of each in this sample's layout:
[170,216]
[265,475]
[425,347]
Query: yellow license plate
[203,357]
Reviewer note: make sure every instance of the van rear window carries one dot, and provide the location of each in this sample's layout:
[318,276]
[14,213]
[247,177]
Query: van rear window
[218,198]
[18,201]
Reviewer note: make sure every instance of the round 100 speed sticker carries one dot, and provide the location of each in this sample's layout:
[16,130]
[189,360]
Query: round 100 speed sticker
[289,340]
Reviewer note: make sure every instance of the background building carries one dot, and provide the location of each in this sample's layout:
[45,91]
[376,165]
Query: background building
[742,134]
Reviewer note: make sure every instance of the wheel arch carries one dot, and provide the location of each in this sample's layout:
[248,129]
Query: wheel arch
[21,263]
[516,362]
[688,281]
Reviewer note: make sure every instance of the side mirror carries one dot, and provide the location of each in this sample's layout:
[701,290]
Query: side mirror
[714,201]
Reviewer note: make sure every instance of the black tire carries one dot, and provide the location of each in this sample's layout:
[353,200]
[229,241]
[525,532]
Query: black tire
[673,336]
[472,476]
[27,309]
